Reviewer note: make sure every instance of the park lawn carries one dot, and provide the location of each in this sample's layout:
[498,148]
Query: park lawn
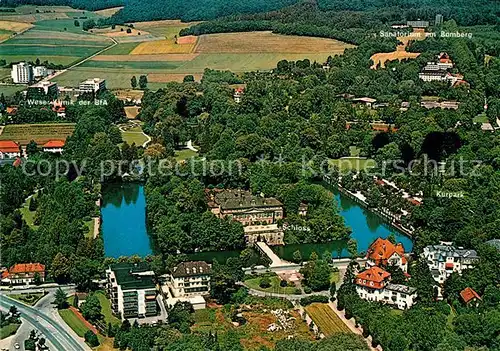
[184,154]
[40,133]
[481,118]
[72,320]
[334,277]
[8,330]
[28,299]
[275,287]
[106,309]
[28,216]
[326,320]
[90,225]
[131,137]
[9,90]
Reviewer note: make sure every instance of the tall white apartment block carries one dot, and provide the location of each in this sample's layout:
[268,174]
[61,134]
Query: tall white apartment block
[22,73]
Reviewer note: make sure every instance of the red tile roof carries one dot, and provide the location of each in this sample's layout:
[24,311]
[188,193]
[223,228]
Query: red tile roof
[27,268]
[449,265]
[54,144]
[382,249]
[375,275]
[8,146]
[469,294]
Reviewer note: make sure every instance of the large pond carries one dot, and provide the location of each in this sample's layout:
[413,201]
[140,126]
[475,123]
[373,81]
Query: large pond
[125,233]
[123,215]
[366,227]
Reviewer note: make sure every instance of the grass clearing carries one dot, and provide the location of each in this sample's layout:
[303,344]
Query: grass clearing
[72,320]
[9,90]
[30,299]
[40,133]
[8,330]
[275,287]
[167,28]
[184,154]
[108,12]
[28,216]
[326,319]
[106,309]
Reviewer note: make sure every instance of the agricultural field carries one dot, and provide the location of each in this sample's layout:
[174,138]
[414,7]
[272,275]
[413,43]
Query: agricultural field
[164,61]
[40,133]
[108,12]
[167,29]
[326,319]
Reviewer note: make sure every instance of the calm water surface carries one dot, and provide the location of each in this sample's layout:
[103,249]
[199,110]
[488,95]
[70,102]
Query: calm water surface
[123,216]
[125,233]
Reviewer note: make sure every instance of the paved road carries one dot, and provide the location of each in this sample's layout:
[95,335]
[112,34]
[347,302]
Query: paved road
[55,333]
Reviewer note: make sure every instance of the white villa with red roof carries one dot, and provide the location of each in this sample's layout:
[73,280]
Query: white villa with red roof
[23,273]
[374,284]
[55,146]
[9,149]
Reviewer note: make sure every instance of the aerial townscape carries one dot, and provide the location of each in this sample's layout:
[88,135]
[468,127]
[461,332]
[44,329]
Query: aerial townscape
[287,175]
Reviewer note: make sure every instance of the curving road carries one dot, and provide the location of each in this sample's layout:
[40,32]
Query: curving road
[52,331]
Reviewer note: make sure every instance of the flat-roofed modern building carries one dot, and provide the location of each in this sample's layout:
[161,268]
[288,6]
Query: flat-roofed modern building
[93,85]
[22,73]
[131,289]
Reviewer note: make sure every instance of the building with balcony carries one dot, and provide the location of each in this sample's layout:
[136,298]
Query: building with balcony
[189,281]
[22,73]
[444,259]
[131,290]
[92,85]
[374,284]
[54,146]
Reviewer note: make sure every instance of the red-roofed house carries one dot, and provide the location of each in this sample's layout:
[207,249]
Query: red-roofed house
[374,284]
[238,93]
[383,252]
[23,273]
[55,146]
[9,149]
[469,296]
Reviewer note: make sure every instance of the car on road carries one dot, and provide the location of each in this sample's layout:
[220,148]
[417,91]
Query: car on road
[17,346]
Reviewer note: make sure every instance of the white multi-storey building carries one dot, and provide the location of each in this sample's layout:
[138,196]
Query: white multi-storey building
[93,85]
[131,289]
[444,259]
[40,72]
[374,284]
[189,281]
[22,73]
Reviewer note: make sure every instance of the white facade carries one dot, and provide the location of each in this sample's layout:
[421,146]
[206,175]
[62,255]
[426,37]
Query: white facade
[189,286]
[9,154]
[93,85]
[22,73]
[46,87]
[40,72]
[444,259]
[400,296]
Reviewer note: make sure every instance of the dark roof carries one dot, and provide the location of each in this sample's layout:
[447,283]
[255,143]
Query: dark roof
[191,269]
[401,288]
[494,243]
[129,277]
[232,199]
